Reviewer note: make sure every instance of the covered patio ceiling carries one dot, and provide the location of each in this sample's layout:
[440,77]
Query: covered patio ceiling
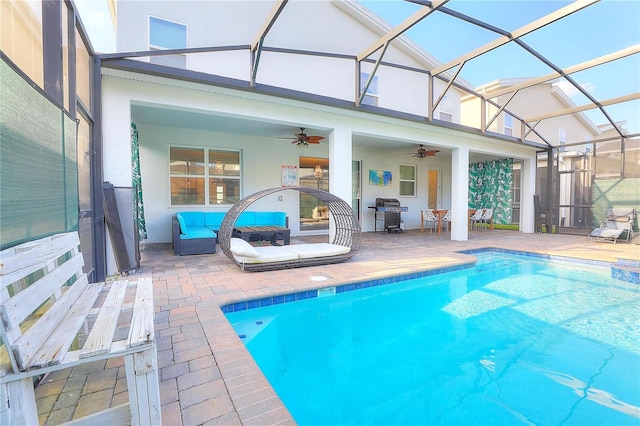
[603,80]
[200,120]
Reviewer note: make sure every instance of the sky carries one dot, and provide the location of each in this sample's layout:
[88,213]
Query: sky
[600,29]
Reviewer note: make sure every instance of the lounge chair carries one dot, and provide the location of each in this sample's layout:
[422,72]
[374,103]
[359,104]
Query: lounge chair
[619,220]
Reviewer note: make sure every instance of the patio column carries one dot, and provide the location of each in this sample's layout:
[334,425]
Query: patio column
[116,142]
[340,157]
[460,194]
[527,189]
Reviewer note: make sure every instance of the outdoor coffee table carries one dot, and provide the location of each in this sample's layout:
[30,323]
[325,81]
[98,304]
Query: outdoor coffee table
[263,233]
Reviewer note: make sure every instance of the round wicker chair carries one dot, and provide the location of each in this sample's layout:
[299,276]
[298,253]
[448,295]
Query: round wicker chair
[347,229]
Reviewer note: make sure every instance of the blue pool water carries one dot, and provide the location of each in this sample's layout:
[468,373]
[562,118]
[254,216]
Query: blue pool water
[514,340]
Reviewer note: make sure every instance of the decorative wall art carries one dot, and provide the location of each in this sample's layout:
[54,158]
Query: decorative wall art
[380,177]
[289,176]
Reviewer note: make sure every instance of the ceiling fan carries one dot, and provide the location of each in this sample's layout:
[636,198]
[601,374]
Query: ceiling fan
[302,139]
[421,152]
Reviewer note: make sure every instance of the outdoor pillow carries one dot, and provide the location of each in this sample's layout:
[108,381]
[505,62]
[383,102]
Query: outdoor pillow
[240,247]
[183,225]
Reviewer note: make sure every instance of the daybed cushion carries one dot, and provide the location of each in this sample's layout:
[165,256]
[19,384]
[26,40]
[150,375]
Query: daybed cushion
[240,247]
[307,251]
[268,254]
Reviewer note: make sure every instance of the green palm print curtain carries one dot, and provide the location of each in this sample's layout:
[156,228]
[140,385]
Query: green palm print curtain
[137,182]
[490,187]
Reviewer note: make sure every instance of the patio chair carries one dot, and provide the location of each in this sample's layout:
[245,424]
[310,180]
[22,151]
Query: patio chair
[486,217]
[618,221]
[429,219]
[476,218]
[446,220]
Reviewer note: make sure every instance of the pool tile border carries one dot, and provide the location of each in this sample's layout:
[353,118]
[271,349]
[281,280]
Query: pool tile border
[342,288]
[539,255]
[310,294]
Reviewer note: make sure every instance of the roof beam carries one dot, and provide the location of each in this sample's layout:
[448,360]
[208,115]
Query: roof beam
[256,44]
[533,26]
[422,13]
[608,102]
[570,70]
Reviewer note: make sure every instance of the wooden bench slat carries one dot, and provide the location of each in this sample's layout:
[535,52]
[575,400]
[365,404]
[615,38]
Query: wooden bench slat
[55,348]
[25,346]
[142,330]
[24,259]
[102,332]
[28,300]
[53,314]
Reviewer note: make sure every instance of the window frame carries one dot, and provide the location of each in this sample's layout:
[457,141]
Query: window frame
[207,175]
[508,124]
[445,112]
[372,97]
[403,180]
[157,59]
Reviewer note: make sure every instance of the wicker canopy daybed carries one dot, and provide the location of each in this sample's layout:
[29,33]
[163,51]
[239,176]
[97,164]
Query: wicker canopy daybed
[345,224]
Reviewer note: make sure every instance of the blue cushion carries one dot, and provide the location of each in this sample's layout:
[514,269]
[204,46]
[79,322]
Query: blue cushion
[193,218]
[271,218]
[246,219]
[212,220]
[198,232]
[183,225]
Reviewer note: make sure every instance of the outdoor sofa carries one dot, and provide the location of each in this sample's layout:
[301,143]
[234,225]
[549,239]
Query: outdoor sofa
[197,232]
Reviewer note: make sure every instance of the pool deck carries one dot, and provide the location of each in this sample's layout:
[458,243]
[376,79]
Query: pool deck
[206,374]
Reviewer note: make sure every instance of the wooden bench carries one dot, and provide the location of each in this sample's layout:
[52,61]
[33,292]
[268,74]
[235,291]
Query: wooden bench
[53,319]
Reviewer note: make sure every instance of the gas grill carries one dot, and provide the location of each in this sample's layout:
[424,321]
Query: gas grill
[388,214]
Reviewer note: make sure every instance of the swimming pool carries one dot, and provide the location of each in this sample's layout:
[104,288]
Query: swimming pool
[513,340]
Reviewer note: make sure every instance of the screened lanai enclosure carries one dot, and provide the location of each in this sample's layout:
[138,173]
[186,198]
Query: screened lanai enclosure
[528,74]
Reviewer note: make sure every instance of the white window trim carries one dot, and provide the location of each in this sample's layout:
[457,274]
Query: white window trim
[155,47]
[364,77]
[206,176]
[414,180]
[508,130]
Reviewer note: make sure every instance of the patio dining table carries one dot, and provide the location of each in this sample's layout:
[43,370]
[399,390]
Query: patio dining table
[440,213]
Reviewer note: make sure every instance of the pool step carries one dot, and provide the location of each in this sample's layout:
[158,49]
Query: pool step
[626,270]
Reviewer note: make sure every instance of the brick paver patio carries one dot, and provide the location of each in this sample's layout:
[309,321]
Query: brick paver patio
[206,374]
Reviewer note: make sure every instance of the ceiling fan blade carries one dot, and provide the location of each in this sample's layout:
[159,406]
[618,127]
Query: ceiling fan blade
[314,139]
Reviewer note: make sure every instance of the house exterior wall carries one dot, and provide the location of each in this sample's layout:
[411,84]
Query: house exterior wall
[400,89]
[530,102]
[262,157]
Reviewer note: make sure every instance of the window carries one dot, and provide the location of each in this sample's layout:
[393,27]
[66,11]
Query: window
[167,35]
[371,98]
[407,180]
[562,138]
[196,182]
[508,124]
[446,109]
